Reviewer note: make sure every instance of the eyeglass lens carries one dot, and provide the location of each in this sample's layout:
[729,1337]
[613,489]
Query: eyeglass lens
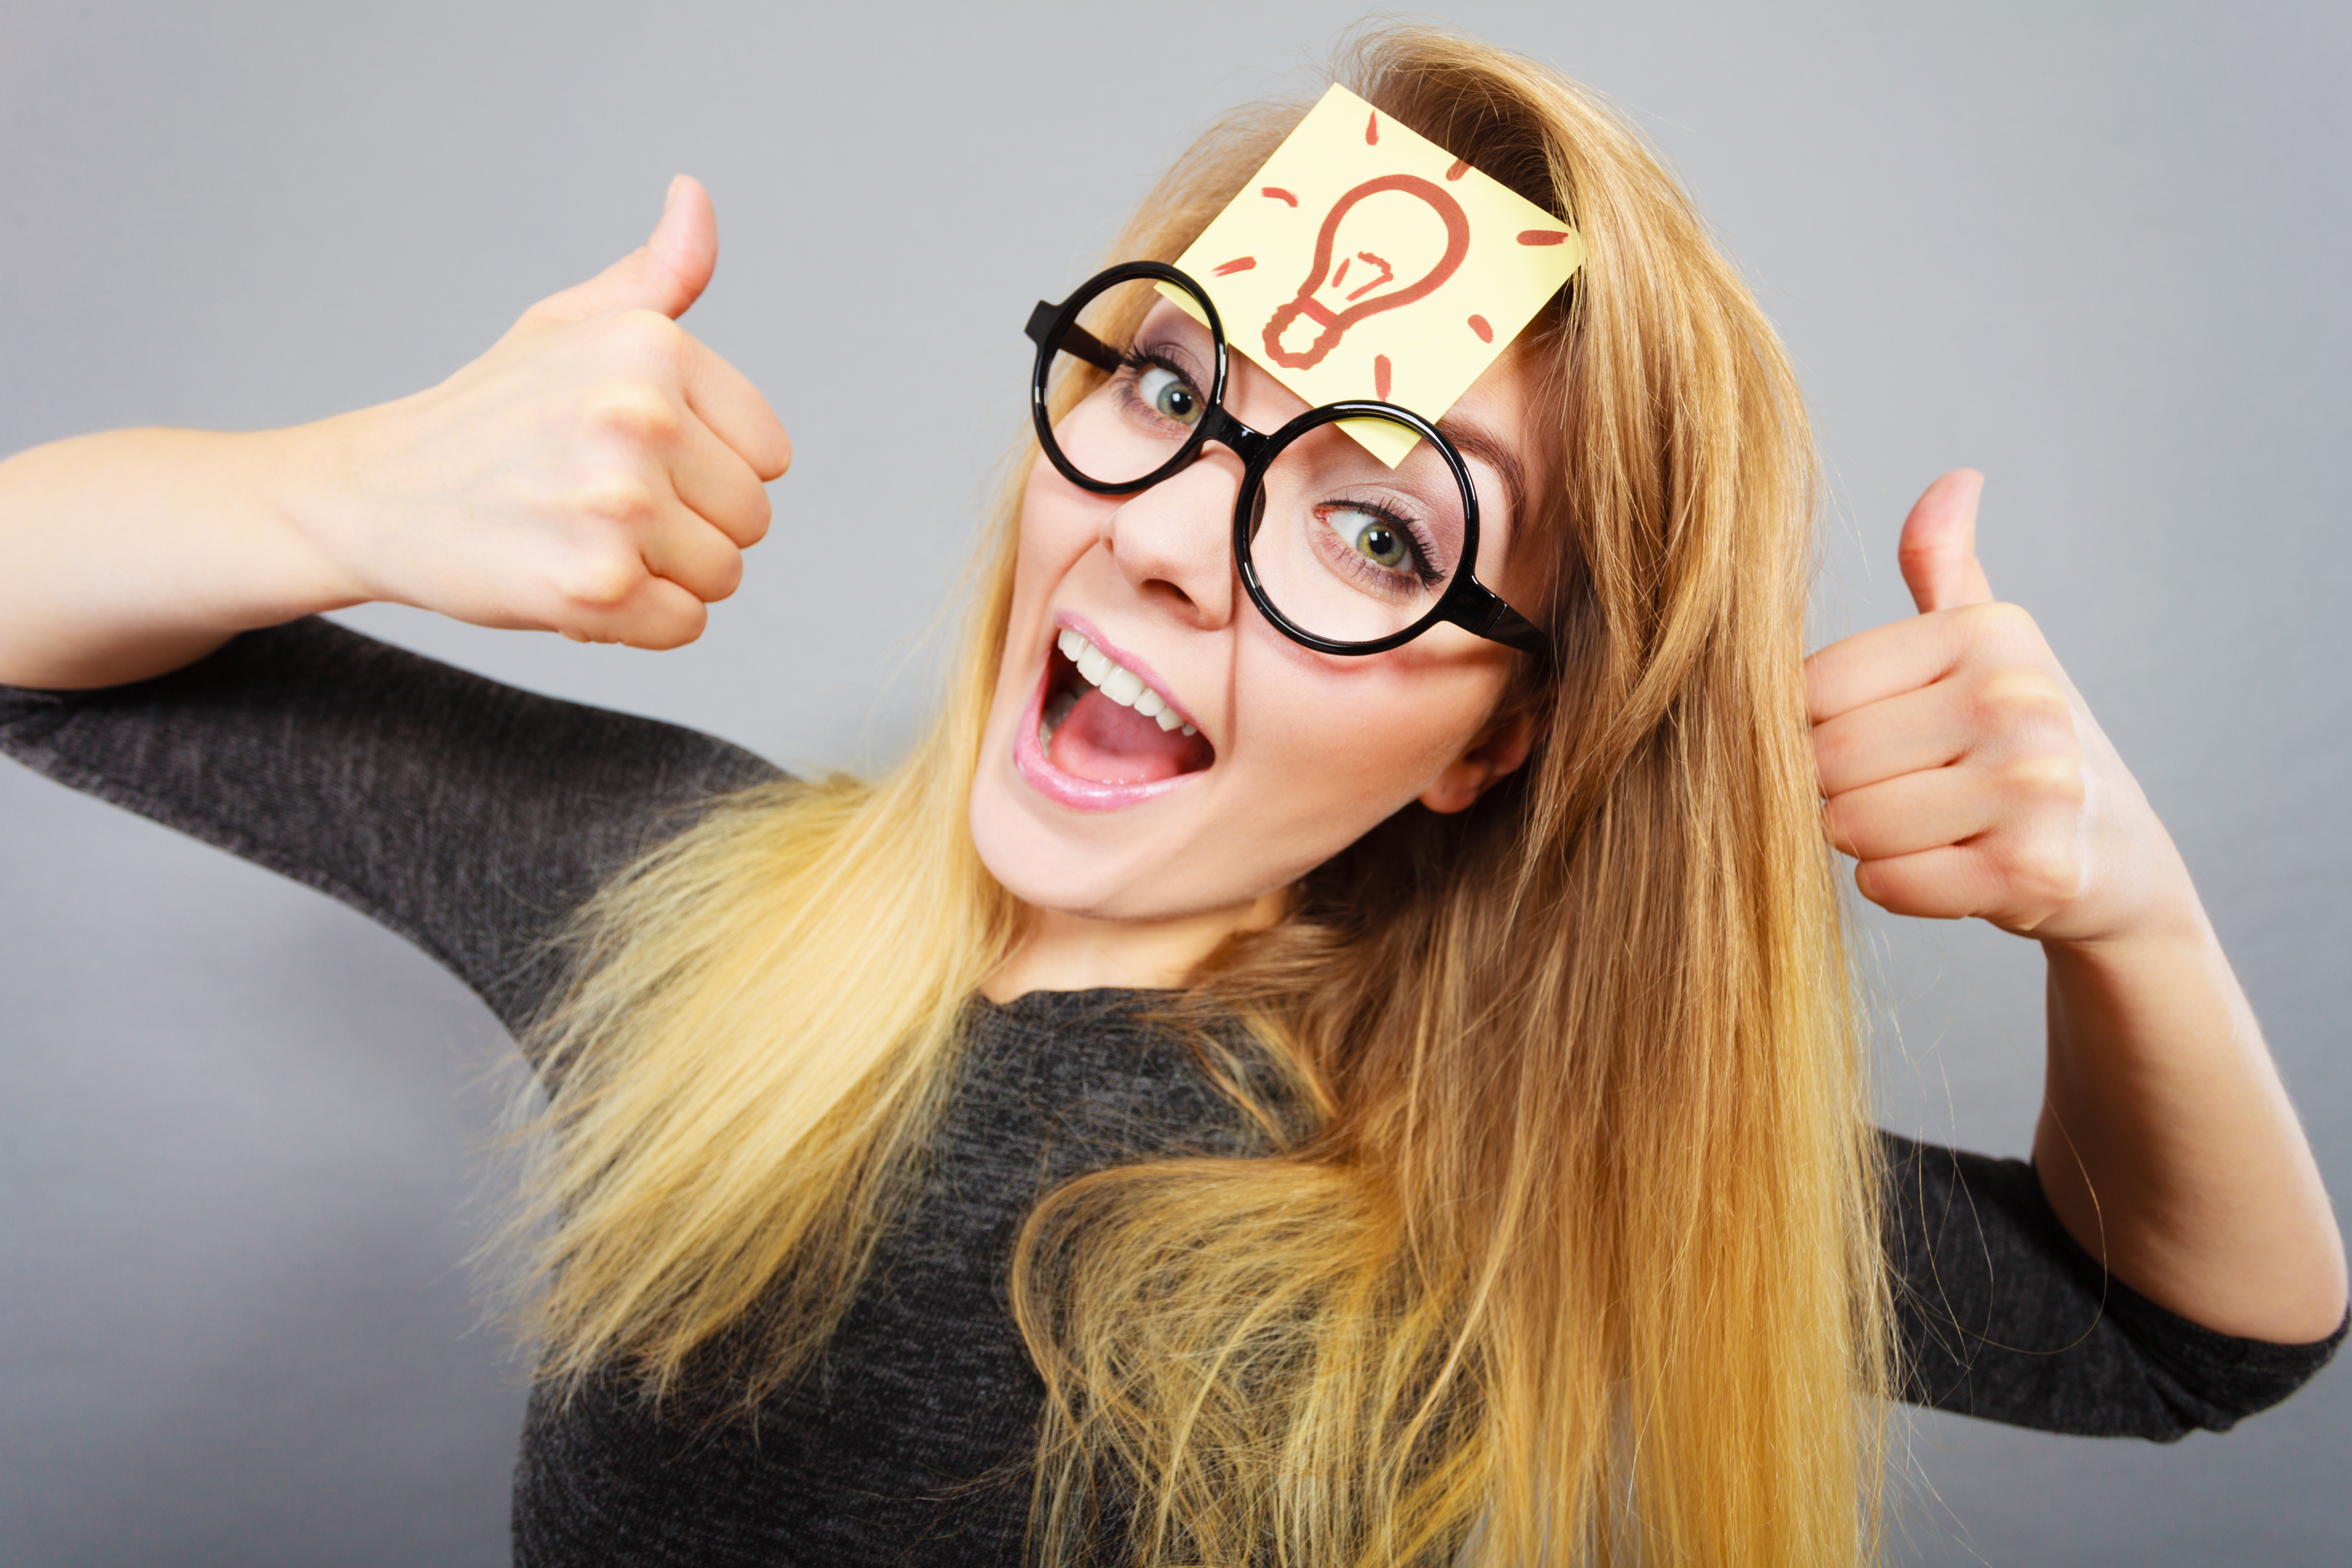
[1346,548]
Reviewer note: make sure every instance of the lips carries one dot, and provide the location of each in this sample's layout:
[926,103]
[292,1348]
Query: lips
[1098,735]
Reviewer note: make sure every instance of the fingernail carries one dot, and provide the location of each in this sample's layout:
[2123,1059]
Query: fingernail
[670,197]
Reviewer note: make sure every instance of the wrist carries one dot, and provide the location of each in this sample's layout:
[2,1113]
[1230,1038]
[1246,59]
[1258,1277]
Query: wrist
[310,480]
[2108,991]
[2144,898]
[2131,958]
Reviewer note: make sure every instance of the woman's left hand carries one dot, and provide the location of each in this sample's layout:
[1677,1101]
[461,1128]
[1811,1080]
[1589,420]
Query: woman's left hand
[1962,769]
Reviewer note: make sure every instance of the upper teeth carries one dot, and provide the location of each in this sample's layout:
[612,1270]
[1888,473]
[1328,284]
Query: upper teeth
[1119,683]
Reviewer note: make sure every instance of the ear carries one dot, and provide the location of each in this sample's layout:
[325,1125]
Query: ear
[1499,751]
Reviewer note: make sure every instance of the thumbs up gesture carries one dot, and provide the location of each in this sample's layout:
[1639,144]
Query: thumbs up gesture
[1960,769]
[598,472]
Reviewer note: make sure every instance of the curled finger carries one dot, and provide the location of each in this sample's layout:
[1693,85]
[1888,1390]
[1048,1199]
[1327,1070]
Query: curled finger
[657,614]
[681,547]
[726,400]
[1905,815]
[715,482]
[1907,733]
[1948,883]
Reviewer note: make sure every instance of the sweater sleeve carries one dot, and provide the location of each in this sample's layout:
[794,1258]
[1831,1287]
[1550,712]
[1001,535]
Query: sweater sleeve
[2001,1315]
[466,816]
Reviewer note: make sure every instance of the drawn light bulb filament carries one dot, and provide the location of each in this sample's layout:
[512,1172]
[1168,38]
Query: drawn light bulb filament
[1340,277]
[1308,317]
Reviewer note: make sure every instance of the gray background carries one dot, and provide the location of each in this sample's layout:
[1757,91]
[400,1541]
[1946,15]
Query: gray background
[2097,251]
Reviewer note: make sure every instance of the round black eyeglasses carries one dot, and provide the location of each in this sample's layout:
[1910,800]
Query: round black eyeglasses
[1339,550]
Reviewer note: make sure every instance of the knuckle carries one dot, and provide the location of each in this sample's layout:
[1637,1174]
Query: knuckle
[615,498]
[2041,868]
[602,579]
[635,413]
[649,334]
[2012,701]
[2048,781]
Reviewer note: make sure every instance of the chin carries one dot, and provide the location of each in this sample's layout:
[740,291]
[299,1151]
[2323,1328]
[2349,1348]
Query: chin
[1095,868]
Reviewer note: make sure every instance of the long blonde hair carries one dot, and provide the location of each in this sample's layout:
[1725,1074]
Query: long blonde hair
[1565,1248]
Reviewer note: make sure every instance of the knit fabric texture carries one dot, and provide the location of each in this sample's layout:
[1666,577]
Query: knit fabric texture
[472,818]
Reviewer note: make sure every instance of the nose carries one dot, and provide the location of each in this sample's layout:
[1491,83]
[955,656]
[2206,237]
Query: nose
[1173,542]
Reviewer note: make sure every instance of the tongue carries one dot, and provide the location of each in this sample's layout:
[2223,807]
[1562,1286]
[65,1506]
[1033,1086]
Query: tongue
[1110,744]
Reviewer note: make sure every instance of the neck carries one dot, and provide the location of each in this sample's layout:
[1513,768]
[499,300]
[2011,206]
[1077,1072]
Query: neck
[1062,952]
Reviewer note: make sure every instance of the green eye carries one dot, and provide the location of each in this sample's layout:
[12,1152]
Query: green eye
[1167,394]
[1376,539]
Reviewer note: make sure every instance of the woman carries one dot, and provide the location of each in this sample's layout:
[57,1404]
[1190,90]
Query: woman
[1414,1114]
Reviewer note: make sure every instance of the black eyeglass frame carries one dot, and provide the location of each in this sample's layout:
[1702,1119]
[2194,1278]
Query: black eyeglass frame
[1466,603]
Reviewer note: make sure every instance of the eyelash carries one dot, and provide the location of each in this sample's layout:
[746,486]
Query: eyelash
[1137,358]
[1424,549]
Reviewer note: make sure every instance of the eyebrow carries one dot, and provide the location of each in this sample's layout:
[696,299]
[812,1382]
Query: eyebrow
[1476,441]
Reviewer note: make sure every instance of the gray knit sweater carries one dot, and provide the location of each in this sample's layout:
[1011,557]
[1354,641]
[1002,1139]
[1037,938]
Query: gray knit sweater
[471,817]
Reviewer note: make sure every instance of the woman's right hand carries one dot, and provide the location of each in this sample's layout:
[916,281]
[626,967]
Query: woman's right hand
[598,472]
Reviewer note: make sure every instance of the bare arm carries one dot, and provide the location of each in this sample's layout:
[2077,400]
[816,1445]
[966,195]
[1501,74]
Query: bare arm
[130,554]
[2166,1143]
[1964,771]
[597,472]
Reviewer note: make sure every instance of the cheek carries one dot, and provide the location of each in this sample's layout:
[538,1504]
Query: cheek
[1058,521]
[1058,524]
[1342,746]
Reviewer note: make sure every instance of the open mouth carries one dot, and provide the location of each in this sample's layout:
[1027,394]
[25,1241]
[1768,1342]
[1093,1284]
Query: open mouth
[1102,723]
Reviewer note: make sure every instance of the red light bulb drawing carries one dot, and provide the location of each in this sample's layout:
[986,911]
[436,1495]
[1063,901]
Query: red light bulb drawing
[1355,273]
[1379,220]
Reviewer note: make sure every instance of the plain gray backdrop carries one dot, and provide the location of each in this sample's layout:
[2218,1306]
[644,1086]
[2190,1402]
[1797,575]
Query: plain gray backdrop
[2098,252]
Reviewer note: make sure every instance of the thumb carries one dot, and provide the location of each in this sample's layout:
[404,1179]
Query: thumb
[1939,552]
[667,273]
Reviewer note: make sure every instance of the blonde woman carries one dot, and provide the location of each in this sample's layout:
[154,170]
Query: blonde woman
[1223,1098]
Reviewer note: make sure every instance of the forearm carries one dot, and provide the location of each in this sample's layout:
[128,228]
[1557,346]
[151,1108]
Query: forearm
[596,472]
[127,554]
[1966,775]
[2166,1143]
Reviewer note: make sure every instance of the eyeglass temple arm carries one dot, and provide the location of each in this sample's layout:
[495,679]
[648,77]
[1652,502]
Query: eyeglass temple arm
[1076,338]
[1516,630]
[1482,611]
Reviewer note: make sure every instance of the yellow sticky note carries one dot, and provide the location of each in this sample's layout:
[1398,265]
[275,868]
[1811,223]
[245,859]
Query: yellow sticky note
[1364,261]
